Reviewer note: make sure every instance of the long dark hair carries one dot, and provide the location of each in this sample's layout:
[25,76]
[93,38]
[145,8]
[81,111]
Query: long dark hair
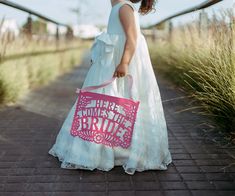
[146,6]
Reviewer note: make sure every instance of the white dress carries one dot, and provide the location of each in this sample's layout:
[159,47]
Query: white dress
[149,144]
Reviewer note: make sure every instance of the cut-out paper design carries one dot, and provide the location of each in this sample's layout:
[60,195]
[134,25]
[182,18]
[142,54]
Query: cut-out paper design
[104,119]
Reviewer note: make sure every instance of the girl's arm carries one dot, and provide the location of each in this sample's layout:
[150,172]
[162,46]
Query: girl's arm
[127,18]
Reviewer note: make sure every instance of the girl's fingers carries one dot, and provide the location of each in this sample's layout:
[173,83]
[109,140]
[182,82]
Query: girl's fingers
[118,74]
[122,74]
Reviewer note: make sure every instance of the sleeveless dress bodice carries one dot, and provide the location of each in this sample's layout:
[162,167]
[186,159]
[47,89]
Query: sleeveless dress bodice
[114,23]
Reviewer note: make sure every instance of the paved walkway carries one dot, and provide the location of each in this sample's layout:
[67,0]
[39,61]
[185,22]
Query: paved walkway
[28,130]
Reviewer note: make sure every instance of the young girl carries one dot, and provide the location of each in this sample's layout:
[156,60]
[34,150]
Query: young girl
[120,51]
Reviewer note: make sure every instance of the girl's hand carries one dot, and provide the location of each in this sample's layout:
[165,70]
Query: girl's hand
[121,70]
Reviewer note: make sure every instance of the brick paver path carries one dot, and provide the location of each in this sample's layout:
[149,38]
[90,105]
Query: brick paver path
[28,130]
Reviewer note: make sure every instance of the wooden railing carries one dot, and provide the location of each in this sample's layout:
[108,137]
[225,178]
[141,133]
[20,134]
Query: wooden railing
[203,5]
[166,26]
[32,12]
